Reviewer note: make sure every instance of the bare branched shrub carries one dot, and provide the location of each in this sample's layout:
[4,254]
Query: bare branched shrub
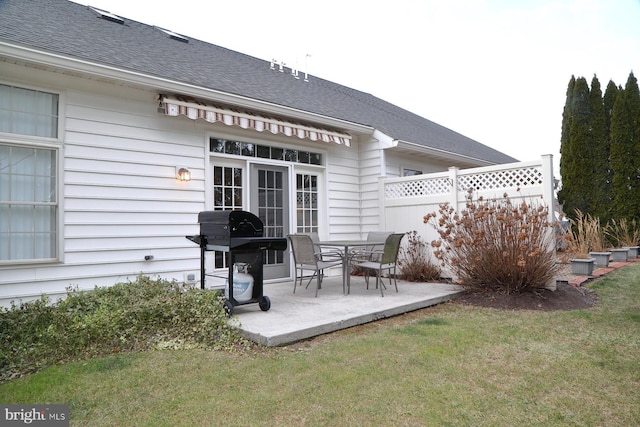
[415,260]
[496,245]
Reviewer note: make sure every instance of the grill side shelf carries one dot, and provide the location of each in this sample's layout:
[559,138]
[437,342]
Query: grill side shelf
[196,239]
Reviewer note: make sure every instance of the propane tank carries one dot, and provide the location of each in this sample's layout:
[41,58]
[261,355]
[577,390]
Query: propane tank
[242,282]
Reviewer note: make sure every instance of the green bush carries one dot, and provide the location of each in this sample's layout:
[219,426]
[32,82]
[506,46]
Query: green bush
[125,317]
[496,245]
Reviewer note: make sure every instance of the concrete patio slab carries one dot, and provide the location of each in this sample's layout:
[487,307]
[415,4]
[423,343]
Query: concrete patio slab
[294,317]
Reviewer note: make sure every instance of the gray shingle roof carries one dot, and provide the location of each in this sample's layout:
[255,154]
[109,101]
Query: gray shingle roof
[76,31]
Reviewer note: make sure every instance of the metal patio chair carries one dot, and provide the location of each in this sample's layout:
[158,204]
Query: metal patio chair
[367,252]
[307,257]
[387,261]
[326,254]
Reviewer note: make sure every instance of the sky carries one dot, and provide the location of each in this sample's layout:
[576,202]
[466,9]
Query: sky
[493,70]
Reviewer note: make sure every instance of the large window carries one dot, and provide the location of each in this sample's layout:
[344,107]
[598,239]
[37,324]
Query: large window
[28,112]
[28,203]
[28,176]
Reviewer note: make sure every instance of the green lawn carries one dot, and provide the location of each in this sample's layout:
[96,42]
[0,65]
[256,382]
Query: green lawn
[451,365]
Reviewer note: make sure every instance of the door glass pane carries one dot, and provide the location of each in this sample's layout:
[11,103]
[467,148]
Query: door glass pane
[270,203]
[227,195]
[228,177]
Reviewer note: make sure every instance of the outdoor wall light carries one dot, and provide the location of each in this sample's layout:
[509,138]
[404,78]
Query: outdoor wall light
[183,174]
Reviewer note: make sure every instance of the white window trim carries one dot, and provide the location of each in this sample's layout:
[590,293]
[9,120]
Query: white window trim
[56,144]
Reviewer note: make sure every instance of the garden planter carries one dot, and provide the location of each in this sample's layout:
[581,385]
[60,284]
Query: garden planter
[602,258]
[582,266]
[633,251]
[620,255]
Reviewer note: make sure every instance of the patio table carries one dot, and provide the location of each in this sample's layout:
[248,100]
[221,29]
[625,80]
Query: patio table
[345,246]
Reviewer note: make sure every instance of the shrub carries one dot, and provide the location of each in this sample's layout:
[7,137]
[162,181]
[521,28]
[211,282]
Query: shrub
[125,317]
[496,245]
[414,259]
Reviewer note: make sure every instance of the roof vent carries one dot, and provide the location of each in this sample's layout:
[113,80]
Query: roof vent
[107,15]
[274,64]
[173,35]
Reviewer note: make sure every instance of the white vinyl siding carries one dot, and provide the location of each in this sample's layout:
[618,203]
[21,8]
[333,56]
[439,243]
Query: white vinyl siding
[343,190]
[119,199]
[122,200]
[118,196]
[372,168]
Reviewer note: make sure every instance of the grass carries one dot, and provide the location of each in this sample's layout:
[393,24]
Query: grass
[450,365]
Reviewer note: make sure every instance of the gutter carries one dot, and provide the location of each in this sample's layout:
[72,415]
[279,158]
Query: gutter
[389,143]
[438,153]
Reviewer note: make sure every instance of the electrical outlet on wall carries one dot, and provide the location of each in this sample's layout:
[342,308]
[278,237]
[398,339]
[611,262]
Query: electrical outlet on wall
[191,277]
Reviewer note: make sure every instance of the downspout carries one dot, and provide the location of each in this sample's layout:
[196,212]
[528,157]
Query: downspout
[385,141]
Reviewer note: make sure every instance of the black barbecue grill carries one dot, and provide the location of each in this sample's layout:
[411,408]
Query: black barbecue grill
[241,235]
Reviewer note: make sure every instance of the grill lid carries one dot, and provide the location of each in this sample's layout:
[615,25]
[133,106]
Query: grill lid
[237,231]
[220,226]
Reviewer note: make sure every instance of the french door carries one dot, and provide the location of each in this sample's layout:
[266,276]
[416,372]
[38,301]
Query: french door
[269,195]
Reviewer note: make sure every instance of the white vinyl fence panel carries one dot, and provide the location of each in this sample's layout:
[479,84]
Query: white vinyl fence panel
[405,201]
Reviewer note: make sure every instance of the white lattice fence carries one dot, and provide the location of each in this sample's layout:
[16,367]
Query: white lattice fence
[413,188]
[405,201]
[502,179]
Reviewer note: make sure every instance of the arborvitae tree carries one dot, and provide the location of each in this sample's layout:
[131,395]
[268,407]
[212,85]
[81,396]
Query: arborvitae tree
[598,155]
[634,101]
[625,151]
[576,167]
[566,158]
[610,95]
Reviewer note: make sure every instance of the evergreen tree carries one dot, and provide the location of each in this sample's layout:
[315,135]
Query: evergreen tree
[565,151]
[576,166]
[598,155]
[625,151]
[633,100]
[610,95]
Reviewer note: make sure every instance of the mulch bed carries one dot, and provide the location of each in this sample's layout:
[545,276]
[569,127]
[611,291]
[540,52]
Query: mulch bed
[566,297]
